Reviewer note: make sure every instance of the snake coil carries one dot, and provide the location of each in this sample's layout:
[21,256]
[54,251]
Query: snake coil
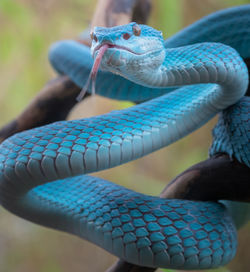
[41,169]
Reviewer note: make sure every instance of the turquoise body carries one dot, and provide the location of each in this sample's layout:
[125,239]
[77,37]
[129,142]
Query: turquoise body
[41,169]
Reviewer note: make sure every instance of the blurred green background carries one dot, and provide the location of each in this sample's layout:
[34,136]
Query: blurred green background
[28,28]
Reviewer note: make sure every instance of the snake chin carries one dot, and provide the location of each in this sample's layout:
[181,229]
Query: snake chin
[113,59]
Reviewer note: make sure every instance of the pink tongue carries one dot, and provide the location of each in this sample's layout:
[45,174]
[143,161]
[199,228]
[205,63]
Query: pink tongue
[98,59]
[93,73]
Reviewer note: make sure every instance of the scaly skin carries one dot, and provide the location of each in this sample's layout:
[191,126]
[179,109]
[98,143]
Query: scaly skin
[143,230]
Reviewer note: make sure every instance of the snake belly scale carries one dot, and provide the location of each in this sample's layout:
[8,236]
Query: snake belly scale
[41,169]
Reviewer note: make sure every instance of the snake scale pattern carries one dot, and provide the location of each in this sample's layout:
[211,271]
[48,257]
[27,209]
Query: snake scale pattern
[183,82]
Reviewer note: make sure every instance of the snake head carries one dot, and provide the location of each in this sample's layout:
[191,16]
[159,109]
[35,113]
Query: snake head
[130,49]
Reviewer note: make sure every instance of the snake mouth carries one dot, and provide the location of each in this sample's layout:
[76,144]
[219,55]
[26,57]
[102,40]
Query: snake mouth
[110,45]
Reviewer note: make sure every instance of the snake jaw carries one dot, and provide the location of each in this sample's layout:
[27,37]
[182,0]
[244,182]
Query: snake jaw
[110,45]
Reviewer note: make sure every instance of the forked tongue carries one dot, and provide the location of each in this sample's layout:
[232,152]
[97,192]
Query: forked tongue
[93,73]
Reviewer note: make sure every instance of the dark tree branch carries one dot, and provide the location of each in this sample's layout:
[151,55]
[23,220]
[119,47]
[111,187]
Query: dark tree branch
[141,11]
[218,177]
[247,62]
[52,103]
[112,12]
[122,266]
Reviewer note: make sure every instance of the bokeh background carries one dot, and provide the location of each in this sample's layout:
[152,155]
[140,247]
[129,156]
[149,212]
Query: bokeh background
[27,29]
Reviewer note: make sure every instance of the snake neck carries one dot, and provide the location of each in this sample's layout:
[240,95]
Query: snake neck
[197,64]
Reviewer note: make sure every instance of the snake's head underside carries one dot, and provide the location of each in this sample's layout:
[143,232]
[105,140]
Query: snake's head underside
[130,48]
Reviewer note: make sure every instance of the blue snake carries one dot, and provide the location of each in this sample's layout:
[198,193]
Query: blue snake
[182,83]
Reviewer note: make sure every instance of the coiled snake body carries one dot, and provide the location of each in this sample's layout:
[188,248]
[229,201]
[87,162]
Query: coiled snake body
[40,169]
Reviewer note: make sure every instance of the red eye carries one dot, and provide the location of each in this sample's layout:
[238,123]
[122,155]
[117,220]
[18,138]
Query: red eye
[126,36]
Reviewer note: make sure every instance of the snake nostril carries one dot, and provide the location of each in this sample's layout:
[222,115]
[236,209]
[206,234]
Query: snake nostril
[126,36]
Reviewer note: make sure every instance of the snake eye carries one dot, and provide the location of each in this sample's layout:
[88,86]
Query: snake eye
[136,30]
[126,36]
[93,36]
